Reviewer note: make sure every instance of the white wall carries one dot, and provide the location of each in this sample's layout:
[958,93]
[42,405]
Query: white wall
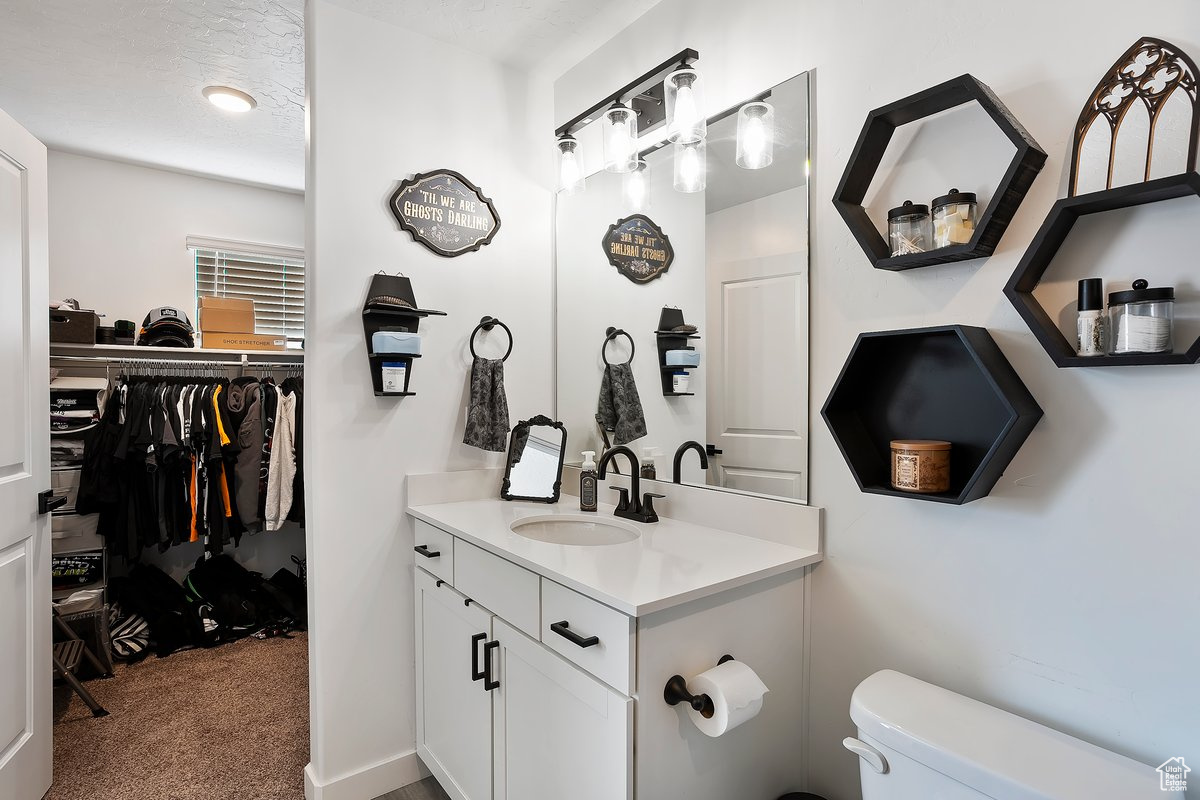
[1068,595]
[592,296]
[117,231]
[117,236]
[384,103]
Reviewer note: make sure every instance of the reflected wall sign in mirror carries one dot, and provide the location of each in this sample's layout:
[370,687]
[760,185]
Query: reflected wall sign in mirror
[535,460]
[739,277]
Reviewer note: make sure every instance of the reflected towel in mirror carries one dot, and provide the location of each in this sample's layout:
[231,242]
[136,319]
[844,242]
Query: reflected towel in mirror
[620,408]
[487,408]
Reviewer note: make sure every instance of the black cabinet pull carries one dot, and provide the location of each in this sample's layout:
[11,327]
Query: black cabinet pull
[424,550]
[488,683]
[476,673]
[564,630]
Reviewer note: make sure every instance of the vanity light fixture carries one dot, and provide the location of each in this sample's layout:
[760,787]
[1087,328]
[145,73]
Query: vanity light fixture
[690,166]
[620,138]
[756,135]
[229,99]
[684,94]
[636,186]
[570,168]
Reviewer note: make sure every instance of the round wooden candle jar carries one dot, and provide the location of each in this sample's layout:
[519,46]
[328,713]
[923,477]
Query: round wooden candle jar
[921,465]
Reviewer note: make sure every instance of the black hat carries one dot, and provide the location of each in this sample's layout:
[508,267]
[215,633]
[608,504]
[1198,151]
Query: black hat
[166,327]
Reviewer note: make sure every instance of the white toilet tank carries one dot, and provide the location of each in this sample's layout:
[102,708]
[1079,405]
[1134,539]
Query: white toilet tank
[933,744]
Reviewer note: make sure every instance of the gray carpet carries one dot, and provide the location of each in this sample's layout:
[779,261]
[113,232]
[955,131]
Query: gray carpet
[230,722]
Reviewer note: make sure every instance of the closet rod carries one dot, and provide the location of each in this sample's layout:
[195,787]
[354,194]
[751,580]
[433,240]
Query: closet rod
[244,362]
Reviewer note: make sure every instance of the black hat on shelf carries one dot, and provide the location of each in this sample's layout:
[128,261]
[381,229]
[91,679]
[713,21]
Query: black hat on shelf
[166,326]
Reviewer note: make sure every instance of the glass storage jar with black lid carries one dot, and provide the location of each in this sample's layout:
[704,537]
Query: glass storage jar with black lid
[1140,319]
[954,218]
[908,229]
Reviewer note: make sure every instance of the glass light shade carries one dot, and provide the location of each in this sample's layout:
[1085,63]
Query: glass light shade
[620,139]
[756,135]
[570,165]
[636,187]
[685,106]
[690,166]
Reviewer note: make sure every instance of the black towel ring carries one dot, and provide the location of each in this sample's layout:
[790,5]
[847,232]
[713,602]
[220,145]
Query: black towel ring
[486,324]
[611,334]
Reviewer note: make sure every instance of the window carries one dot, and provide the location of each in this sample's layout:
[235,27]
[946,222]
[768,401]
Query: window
[273,277]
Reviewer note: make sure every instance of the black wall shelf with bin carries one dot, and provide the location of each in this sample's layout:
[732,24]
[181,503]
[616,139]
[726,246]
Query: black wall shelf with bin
[670,339]
[1050,239]
[391,306]
[872,144]
[950,382]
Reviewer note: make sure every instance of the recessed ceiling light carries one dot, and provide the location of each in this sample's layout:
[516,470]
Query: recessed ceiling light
[228,99]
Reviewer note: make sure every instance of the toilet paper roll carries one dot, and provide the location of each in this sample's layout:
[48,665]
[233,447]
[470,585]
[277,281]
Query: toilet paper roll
[736,693]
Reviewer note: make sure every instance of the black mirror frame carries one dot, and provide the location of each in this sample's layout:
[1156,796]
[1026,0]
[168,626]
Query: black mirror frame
[545,421]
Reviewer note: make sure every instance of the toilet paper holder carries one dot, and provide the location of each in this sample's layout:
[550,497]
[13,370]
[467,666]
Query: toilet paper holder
[676,692]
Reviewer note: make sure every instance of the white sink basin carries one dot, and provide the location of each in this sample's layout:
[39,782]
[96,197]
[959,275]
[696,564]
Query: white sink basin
[575,529]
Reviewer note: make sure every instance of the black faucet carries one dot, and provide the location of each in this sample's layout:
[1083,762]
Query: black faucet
[683,448]
[630,508]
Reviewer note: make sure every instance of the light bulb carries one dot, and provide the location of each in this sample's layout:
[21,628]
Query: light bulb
[755,135]
[570,170]
[685,106]
[620,139]
[690,166]
[227,99]
[637,187]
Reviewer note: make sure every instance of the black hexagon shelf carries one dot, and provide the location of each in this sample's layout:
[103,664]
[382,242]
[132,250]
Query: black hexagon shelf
[1050,239]
[950,382]
[872,144]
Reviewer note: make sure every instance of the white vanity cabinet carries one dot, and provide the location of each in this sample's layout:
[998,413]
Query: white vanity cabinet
[501,716]
[531,689]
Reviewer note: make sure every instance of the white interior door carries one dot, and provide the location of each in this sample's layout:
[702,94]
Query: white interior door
[758,347]
[454,709]
[560,733]
[25,704]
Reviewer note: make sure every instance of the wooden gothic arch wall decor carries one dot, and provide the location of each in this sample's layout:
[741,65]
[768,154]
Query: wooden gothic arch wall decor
[1150,72]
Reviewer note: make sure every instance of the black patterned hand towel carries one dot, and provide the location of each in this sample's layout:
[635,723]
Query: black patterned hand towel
[487,410]
[620,408]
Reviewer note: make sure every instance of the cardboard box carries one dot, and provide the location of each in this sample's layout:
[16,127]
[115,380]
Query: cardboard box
[220,340]
[226,315]
[73,327]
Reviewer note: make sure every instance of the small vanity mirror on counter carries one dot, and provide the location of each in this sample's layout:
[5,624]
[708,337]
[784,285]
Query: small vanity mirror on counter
[704,279]
[536,448]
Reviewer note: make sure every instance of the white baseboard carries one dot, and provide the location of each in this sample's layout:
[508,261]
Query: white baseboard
[369,782]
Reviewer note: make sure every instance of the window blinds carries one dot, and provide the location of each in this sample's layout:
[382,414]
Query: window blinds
[274,282]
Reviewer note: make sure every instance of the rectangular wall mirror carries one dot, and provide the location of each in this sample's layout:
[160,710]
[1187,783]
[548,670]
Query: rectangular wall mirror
[738,271]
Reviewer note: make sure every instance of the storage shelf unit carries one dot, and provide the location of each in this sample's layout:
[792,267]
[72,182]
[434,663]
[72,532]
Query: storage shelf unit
[379,317]
[950,382]
[668,339]
[873,142]
[1050,239]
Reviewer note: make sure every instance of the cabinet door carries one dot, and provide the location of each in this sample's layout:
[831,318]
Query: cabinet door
[454,711]
[559,732]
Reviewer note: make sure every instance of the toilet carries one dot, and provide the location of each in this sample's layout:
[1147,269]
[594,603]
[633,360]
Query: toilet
[917,741]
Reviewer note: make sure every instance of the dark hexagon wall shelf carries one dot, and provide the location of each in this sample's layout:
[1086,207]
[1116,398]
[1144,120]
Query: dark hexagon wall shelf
[1050,239]
[872,144]
[950,382]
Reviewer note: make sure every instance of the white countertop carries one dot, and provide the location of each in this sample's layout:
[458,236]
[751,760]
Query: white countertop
[669,564]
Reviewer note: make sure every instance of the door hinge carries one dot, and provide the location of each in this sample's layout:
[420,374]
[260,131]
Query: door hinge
[47,502]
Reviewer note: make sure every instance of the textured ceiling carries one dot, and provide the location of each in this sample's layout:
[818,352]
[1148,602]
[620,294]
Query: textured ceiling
[523,33]
[122,79]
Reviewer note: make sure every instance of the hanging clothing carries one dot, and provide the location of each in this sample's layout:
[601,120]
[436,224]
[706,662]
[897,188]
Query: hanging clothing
[176,460]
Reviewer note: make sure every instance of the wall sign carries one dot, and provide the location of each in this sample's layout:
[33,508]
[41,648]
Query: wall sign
[638,248]
[445,212]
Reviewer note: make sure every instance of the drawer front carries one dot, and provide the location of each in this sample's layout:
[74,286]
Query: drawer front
[597,638]
[430,540]
[508,591]
[71,532]
[65,483]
